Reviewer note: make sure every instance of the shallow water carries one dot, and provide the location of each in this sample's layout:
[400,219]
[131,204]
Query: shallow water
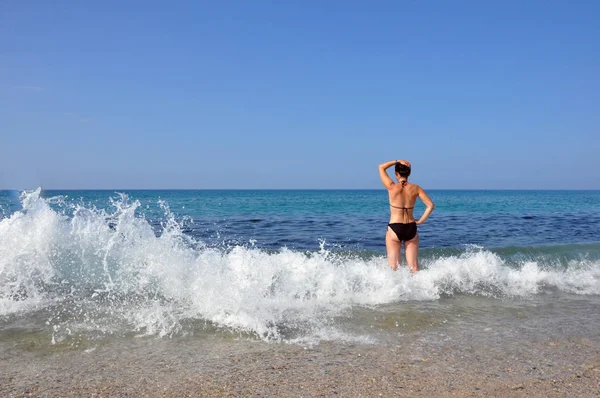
[81,267]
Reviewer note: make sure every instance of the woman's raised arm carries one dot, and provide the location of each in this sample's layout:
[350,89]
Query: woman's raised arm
[385,178]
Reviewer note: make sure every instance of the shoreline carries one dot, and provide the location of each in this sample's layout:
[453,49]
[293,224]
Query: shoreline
[568,365]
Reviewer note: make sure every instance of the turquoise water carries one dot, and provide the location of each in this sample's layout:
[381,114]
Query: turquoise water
[286,265]
[356,220]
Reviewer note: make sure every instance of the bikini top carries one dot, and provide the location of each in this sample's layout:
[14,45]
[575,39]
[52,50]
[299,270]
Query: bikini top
[406,209]
[401,208]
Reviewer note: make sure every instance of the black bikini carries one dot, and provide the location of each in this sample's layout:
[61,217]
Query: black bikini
[402,208]
[404,231]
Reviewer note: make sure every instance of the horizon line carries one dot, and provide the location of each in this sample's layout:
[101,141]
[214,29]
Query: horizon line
[296,189]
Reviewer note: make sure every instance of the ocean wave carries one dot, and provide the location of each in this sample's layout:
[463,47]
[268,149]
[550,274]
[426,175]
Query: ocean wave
[109,269]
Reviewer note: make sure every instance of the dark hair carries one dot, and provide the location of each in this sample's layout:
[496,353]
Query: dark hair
[402,169]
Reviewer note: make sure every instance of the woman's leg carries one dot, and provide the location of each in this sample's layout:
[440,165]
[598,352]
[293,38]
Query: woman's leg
[411,249]
[394,246]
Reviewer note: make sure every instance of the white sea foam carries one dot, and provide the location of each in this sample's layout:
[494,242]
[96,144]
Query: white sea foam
[99,268]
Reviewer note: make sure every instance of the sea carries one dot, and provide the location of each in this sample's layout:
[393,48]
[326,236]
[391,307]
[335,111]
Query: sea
[293,266]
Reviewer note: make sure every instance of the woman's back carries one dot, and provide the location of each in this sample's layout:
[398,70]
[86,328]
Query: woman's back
[402,202]
[402,228]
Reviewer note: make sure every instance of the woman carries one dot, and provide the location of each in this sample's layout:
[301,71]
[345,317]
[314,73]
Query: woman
[402,226]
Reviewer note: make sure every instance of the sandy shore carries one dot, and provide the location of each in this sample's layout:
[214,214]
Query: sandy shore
[216,366]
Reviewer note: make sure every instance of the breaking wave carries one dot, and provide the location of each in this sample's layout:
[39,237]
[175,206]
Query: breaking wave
[108,270]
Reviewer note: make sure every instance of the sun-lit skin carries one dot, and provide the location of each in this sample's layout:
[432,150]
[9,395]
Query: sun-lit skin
[403,196]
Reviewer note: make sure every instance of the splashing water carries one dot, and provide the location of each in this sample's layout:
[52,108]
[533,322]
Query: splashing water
[108,271]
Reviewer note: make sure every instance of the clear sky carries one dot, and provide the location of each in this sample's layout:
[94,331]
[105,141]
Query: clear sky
[299,94]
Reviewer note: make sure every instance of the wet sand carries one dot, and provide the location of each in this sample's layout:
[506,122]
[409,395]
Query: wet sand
[215,366]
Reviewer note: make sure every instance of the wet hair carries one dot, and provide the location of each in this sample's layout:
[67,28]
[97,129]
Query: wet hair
[402,169]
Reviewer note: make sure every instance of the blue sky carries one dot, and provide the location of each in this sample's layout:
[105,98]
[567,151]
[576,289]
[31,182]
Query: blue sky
[240,94]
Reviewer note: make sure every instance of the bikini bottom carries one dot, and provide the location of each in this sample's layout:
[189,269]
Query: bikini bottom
[403,231]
